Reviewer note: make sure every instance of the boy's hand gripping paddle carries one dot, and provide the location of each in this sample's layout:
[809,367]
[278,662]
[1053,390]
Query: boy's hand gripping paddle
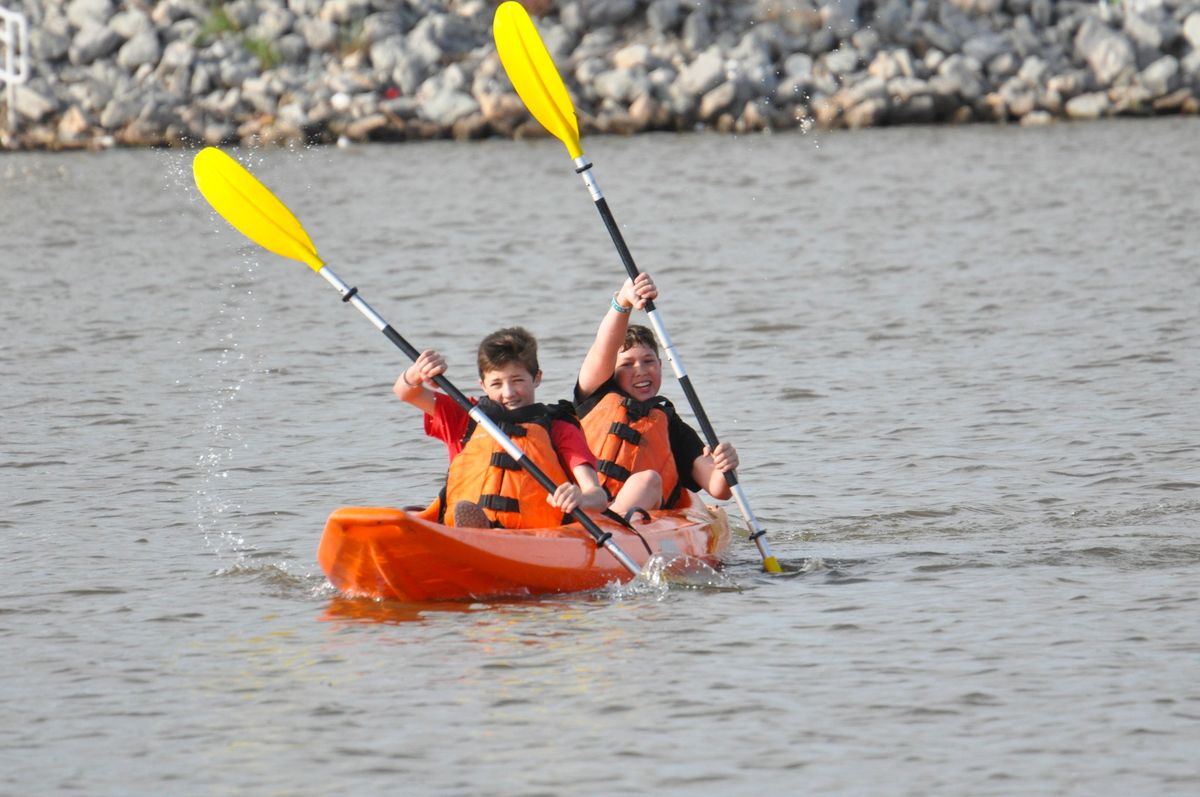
[254,211]
[541,88]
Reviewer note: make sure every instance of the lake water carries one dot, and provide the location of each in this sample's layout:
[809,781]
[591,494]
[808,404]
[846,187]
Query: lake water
[961,367]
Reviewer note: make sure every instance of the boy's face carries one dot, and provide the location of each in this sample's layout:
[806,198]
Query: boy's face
[639,372]
[511,386]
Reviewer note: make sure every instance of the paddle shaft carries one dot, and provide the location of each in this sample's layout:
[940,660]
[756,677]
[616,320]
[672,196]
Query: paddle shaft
[757,533]
[603,538]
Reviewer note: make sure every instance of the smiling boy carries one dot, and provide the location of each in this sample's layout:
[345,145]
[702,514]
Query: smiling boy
[484,486]
[628,425]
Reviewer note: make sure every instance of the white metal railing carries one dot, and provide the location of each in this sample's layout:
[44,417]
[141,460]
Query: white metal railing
[14,67]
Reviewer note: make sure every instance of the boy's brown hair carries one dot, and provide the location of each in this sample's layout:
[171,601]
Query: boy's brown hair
[505,346]
[636,335]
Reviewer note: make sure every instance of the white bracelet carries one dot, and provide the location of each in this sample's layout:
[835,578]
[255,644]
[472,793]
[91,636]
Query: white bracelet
[616,306]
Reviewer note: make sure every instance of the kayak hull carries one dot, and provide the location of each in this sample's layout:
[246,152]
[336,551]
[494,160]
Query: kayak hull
[382,552]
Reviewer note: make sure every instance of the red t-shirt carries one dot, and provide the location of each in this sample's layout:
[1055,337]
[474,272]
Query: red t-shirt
[449,423]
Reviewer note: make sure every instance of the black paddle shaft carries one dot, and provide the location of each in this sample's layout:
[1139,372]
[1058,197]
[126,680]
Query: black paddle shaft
[685,381]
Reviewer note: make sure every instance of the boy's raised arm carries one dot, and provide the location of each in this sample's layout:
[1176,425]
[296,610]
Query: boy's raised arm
[410,385]
[601,359]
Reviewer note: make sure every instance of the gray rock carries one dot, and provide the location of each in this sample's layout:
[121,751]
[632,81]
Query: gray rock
[867,42]
[242,13]
[273,23]
[1071,83]
[33,104]
[1190,65]
[1026,40]
[1108,52]
[344,12]
[1146,36]
[704,74]
[986,46]
[631,56]
[1034,71]
[128,24]
[84,13]
[1088,106]
[448,107]
[798,65]
[903,89]
[1161,77]
[697,32]
[840,17]
[449,33]
[256,93]
[1002,67]
[964,77]
[143,48]
[662,78]
[204,80]
[178,54]
[869,88]
[978,7]
[292,48]
[93,42]
[718,100]
[602,13]
[1037,119]
[1041,12]
[380,26]
[621,85]
[938,37]
[1020,98]
[48,45]
[889,64]
[1191,29]
[892,21]
[387,53]
[842,61]
[120,112]
[453,78]
[319,34]
[559,42]
[868,113]
[664,16]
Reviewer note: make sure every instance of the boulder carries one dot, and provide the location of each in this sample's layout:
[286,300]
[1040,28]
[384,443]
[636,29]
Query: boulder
[93,42]
[32,104]
[1088,106]
[87,13]
[1109,53]
[143,48]
[1161,77]
[705,73]
[447,107]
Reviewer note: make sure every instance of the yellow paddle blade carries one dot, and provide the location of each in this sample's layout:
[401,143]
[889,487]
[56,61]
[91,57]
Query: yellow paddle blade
[251,208]
[533,74]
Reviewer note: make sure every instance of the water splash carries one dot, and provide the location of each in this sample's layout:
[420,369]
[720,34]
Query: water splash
[661,575]
[223,371]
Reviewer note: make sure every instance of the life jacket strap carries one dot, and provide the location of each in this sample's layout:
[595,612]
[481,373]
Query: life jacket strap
[499,503]
[501,459]
[613,470]
[625,432]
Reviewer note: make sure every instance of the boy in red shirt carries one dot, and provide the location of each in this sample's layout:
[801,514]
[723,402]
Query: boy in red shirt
[484,486]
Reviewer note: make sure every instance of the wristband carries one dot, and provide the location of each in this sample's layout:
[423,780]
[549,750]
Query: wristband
[616,306]
[404,379]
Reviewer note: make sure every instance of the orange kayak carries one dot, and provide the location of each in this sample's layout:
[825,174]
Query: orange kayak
[382,552]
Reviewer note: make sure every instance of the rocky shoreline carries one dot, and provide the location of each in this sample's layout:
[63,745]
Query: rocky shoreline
[190,72]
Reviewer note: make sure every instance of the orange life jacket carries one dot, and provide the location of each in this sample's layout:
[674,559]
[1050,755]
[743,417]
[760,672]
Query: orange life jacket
[628,436]
[485,474]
